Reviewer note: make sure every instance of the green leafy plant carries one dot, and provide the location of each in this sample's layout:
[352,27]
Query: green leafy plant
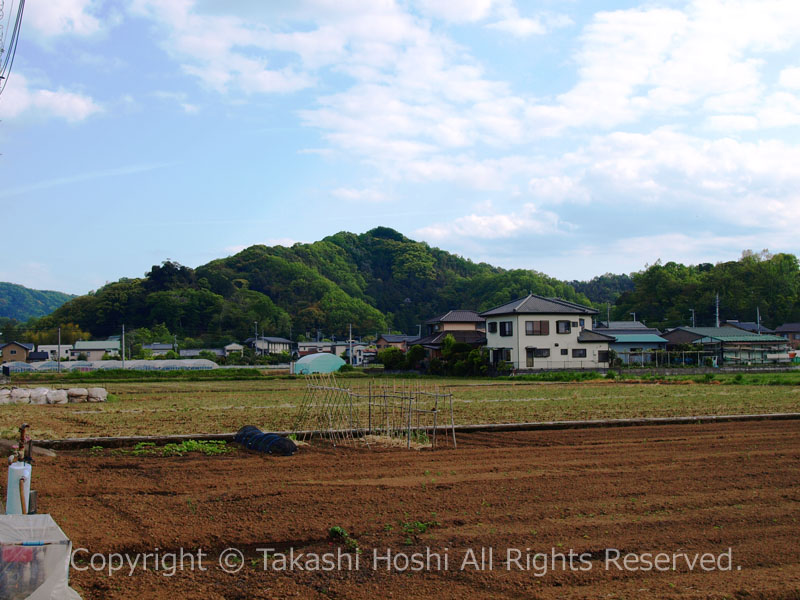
[340,534]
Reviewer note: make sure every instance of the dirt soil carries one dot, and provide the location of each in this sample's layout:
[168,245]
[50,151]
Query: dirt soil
[680,490]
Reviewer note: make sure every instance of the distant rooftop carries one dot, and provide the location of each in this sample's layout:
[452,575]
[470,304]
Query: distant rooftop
[622,325]
[640,338]
[748,326]
[393,338]
[458,316]
[729,334]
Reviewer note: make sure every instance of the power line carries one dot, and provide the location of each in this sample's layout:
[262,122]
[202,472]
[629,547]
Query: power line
[8,53]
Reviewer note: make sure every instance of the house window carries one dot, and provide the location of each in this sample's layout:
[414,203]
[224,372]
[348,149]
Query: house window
[537,327]
[564,352]
[582,323]
[492,326]
[13,352]
[502,355]
[579,353]
[506,328]
[574,323]
[563,327]
[602,356]
[541,352]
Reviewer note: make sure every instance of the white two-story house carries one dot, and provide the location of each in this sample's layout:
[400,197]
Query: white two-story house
[535,332]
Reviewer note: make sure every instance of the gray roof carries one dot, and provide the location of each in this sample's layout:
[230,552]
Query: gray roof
[458,316]
[748,326]
[788,327]
[103,345]
[397,338]
[623,331]
[587,335]
[533,304]
[157,346]
[476,338]
[622,325]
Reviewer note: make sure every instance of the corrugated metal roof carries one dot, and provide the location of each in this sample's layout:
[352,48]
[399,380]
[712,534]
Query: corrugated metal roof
[104,345]
[730,334]
[640,338]
[533,304]
[622,325]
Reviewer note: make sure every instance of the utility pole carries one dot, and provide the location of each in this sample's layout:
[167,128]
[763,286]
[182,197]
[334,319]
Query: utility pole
[608,314]
[123,345]
[59,348]
[717,311]
[350,344]
[634,315]
[691,309]
[758,320]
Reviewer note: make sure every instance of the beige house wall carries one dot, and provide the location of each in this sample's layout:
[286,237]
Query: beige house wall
[13,352]
[519,342]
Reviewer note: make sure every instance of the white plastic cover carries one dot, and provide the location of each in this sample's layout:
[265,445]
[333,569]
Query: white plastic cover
[34,559]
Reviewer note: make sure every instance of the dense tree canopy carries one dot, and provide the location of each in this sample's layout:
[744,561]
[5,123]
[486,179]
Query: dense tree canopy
[382,281]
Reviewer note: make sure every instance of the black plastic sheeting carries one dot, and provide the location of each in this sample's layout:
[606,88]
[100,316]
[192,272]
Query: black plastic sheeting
[253,438]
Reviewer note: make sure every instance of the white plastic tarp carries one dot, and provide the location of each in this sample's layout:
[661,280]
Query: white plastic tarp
[34,559]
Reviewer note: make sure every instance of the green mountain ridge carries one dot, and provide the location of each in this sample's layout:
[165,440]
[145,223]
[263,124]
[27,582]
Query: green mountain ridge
[382,281]
[378,281]
[22,303]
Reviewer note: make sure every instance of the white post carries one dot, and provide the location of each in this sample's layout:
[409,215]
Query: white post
[59,349]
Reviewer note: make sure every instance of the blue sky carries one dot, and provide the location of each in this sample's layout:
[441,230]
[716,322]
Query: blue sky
[573,138]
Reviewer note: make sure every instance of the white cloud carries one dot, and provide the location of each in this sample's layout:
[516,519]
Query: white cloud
[528,220]
[790,78]
[21,100]
[642,63]
[519,27]
[463,11]
[62,17]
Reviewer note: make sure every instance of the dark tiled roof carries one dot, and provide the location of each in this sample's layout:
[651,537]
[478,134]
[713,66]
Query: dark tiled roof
[476,338]
[457,316]
[38,356]
[534,304]
[587,335]
[398,338]
[788,328]
[748,326]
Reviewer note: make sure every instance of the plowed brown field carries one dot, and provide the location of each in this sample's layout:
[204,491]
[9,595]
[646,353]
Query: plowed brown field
[684,489]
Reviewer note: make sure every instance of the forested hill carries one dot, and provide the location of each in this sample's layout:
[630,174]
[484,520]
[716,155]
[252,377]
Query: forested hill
[378,281]
[21,303]
[663,295]
[381,281]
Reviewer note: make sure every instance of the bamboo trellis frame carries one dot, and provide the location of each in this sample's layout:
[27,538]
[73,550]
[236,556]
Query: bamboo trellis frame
[408,409]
